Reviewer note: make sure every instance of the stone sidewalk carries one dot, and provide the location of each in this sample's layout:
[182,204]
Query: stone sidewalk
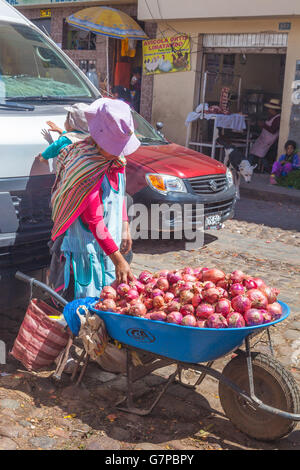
[261,189]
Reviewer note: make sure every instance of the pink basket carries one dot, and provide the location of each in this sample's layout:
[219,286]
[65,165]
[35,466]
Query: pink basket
[40,339]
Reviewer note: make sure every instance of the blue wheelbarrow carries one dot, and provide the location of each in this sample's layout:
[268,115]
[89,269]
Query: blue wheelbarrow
[258,395]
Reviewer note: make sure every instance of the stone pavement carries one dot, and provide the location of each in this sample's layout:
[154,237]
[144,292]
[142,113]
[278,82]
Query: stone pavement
[36,413]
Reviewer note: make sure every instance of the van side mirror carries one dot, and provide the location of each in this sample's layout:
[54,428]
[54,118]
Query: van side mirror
[159,125]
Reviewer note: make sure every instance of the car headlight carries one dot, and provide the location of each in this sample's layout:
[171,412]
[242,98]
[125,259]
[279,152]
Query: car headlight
[229,177]
[165,183]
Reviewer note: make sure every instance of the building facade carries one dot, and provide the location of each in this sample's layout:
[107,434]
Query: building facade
[86,49]
[253,43]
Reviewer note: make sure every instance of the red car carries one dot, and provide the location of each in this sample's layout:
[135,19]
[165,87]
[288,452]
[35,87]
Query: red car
[161,172]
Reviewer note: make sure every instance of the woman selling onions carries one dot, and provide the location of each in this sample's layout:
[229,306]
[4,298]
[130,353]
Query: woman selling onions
[88,205]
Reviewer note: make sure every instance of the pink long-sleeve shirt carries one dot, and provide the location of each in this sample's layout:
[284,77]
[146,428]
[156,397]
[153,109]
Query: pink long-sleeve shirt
[92,216]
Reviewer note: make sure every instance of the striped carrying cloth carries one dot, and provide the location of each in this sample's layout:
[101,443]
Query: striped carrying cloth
[40,339]
[79,169]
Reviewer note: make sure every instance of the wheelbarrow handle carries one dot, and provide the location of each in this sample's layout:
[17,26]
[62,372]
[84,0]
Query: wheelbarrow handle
[33,282]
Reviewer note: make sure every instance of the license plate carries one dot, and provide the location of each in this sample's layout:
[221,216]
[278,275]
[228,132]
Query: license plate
[212,221]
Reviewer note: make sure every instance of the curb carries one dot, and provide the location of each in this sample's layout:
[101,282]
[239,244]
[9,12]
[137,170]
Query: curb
[286,195]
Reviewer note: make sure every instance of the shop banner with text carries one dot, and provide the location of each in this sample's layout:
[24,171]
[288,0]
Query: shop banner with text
[163,55]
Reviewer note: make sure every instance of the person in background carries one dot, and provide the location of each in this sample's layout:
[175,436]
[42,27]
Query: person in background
[92,75]
[76,129]
[288,162]
[135,87]
[269,134]
[121,93]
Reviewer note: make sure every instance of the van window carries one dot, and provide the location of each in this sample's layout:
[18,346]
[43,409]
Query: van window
[31,67]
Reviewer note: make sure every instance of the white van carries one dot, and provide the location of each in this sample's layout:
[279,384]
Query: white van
[37,81]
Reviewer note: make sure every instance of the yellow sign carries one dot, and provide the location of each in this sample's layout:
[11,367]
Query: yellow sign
[163,55]
[45,13]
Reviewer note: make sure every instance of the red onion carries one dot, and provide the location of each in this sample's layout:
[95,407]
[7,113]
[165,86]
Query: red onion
[223,292]
[157,292]
[145,277]
[235,320]
[132,294]
[253,317]
[138,309]
[124,310]
[223,306]
[137,285]
[163,273]
[267,315]
[187,309]
[174,277]
[216,321]
[259,282]
[149,287]
[122,303]
[148,303]
[204,310]
[196,300]
[236,289]
[270,293]
[237,276]
[158,302]
[213,275]
[201,323]
[173,306]
[186,296]
[162,283]
[241,303]
[158,315]
[108,305]
[123,288]
[211,295]
[209,285]
[275,310]
[108,292]
[198,273]
[249,283]
[189,278]
[198,287]
[257,298]
[189,320]
[224,284]
[174,317]
[168,296]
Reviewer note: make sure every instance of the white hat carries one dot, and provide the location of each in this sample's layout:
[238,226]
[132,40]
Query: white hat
[274,103]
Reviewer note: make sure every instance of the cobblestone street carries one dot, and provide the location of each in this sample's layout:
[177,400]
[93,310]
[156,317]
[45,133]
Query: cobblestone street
[35,413]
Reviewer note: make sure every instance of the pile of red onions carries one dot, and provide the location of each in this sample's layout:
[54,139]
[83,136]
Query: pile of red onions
[200,297]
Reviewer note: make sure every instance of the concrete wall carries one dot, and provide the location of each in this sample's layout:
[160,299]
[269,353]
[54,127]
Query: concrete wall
[173,9]
[174,93]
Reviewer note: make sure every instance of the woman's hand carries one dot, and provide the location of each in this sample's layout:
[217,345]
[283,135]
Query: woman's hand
[126,244]
[123,272]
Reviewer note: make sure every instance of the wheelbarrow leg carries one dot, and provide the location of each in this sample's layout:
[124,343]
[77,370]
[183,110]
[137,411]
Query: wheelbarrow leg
[199,380]
[130,408]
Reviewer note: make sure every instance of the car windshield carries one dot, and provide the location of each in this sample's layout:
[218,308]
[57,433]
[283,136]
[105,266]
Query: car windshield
[30,67]
[145,132]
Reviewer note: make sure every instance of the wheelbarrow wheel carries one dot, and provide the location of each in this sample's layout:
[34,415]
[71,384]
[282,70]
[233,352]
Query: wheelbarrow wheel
[273,385]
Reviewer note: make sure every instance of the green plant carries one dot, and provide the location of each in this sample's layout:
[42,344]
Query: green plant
[292,180]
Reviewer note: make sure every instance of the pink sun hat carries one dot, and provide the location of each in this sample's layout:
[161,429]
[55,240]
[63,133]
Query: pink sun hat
[111,126]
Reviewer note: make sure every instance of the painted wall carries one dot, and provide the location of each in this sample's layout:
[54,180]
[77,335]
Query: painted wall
[174,93]
[173,9]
